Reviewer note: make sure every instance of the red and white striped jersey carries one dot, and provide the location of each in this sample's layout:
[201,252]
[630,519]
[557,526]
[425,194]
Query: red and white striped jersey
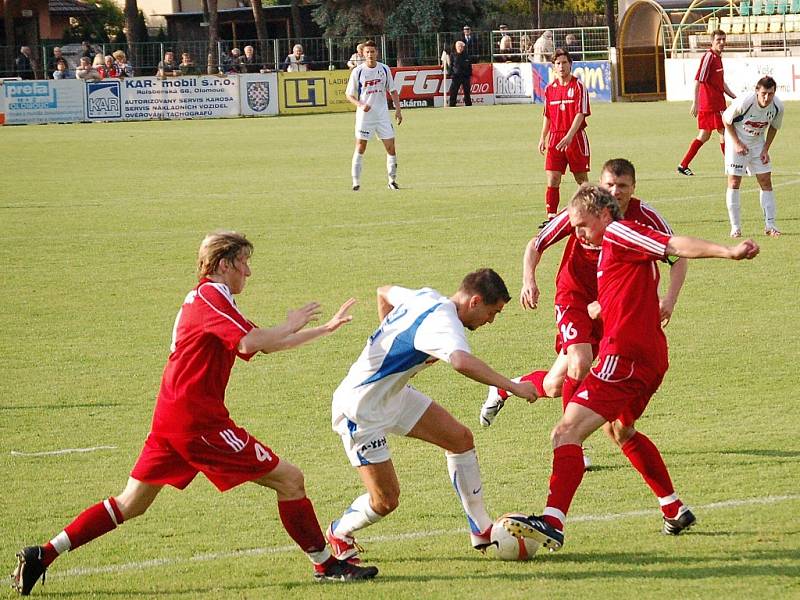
[711,76]
[563,102]
[205,341]
[627,289]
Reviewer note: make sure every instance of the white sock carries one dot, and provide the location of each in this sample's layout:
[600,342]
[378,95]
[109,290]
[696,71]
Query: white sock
[465,475]
[319,557]
[61,542]
[391,167]
[734,210]
[768,206]
[358,515]
[355,170]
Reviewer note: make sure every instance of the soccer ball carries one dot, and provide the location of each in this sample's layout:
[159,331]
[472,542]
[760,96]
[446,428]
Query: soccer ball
[509,547]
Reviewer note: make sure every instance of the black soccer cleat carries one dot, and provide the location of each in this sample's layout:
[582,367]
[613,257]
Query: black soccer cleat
[685,171]
[356,188]
[29,569]
[535,528]
[341,570]
[682,521]
[393,185]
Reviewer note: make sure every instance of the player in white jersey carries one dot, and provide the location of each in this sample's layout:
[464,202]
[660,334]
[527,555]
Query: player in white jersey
[418,327]
[751,122]
[367,88]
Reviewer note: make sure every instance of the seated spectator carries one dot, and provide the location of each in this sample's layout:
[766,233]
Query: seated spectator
[357,58]
[61,71]
[249,63]
[168,67]
[87,50]
[232,63]
[296,61]
[573,46]
[86,71]
[543,49]
[98,60]
[187,66]
[24,64]
[108,68]
[123,68]
[58,57]
[505,46]
[526,47]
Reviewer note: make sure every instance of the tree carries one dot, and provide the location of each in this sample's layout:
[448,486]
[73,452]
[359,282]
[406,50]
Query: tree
[131,33]
[213,37]
[261,28]
[106,21]
[297,22]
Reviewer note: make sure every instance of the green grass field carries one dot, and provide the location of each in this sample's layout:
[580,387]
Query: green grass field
[101,224]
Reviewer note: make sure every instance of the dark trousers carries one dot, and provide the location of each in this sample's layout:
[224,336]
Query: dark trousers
[460,81]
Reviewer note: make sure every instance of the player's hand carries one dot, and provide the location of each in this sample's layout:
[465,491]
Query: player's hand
[665,308]
[341,317]
[529,295]
[693,110]
[542,147]
[764,157]
[298,318]
[366,107]
[594,309]
[524,389]
[740,148]
[398,116]
[746,250]
[564,143]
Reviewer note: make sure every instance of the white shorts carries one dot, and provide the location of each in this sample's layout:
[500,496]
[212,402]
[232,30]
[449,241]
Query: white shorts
[365,443]
[366,128]
[745,164]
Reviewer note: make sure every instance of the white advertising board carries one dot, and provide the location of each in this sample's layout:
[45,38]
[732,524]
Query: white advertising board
[190,97]
[42,101]
[513,83]
[258,94]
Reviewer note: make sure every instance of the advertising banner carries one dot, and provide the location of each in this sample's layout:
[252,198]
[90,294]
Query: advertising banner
[741,75]
[43,101]
[595,76]
[513,83]
[189,97]
[313,92]
[259,94]
[422,86]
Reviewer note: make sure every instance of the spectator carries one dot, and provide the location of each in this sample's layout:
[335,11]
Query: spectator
[461,73]
[61,71]
[87,50]
[123,68]
[86,71]
[296,61]
[187,66]
[357,57]
[505,46]
[543,48]
[573,46]
[108,68]
[98,61]
[59,57]
[249,62]
[470,41]
[526,48]
[25,65]
[231,63]
[168,67]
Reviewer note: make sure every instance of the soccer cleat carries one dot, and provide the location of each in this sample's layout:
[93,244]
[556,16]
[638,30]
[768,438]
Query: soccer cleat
[393,185]
[685,171]
[682,521]
[772,232]
[550,217]
[535,528]
[342,548]
[341,570]
[356,188]
[481,541]
[587,461]
[29,568]
[736,232]
[492,405]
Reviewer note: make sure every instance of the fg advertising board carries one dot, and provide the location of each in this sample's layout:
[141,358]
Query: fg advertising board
[420,87]
[595,75]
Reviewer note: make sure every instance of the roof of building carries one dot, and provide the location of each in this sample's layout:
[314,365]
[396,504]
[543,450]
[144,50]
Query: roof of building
[69,7]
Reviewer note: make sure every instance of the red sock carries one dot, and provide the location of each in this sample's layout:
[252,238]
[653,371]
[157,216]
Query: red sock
[690,154]
[566,477]
[568,389]
[95,521]
[722,147]
[645,458]
[300,522]
[537,379]
[551,200]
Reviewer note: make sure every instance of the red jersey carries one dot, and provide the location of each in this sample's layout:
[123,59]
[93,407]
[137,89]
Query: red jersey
[562,103]
[627,278]
[712,83]
[205,339]
[576,282]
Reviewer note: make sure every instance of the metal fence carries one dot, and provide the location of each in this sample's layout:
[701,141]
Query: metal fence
[590,43]
[583,43]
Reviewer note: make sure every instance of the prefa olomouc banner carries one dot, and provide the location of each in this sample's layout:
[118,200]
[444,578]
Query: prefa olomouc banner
[42,101]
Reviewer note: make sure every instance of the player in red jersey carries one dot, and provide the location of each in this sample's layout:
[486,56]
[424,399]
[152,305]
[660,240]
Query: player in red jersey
[563,138]
[709,100]
[632,361]
[192,432]
[577,334]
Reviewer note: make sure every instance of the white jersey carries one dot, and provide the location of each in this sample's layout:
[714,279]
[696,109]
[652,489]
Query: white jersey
[422,328]
[750,121]
[370,86]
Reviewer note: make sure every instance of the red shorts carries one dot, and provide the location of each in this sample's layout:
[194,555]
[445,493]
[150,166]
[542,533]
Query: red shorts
[228,457]
[710,120]
[576,155]
[618,388]
[576,327]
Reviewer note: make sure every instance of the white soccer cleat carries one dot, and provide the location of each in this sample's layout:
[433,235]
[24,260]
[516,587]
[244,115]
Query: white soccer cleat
[736,232]
[772,232]
[493,404]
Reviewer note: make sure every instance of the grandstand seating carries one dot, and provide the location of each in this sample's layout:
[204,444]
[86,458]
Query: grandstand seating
[744,8]
[776,23]
[762,24]
[758,7]
[782,7]
[795,6]
[769,7]
[725,24]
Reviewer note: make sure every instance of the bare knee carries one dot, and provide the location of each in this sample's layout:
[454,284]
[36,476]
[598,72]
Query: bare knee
[578,367]
[619,433]
[462,441]
[136,498]
[385,501]
[291,484]
[564,433]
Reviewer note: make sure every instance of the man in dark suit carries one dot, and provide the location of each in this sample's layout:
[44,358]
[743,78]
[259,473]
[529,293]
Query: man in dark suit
[460,73]
[470,41]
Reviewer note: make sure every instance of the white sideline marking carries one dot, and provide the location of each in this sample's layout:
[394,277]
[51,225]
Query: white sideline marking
[158,562]
[64,451]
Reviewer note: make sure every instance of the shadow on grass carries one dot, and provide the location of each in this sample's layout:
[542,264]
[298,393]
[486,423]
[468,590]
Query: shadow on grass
[50,407]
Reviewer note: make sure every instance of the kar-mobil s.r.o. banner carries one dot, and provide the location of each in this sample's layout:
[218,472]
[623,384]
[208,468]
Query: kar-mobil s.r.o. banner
[313,92]
[186,97]
[42,101]
[595,76]
[422,86]
[258,93]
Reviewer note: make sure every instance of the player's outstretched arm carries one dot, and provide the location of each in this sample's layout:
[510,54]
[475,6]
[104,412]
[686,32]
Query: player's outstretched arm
[473,367]
[677,276]
[529,294]
[690,247]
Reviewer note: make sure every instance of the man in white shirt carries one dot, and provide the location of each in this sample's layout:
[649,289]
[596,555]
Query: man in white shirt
[747,150]
[367,88]
[418,328]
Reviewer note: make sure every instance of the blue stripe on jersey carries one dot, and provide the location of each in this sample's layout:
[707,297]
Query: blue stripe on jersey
[360,73]
[402,355]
